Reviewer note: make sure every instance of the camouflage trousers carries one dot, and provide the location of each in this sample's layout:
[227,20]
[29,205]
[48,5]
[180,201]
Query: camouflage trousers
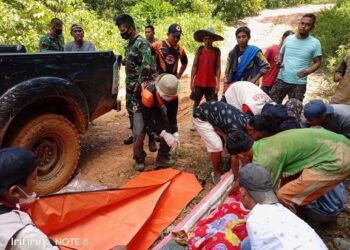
[128,101]
[281,89]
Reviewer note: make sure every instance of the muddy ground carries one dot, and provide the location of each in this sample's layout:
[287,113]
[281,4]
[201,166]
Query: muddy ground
[105,161]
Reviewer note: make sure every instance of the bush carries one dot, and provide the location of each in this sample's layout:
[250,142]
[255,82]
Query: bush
[231,11]
[284,3]
[333,31]
[109,8]
[202,7]
[26,21]
[288,3]
[148,11]
[162,14]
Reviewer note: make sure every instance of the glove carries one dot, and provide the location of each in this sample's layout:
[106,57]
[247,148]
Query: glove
[175,145]
[177,137]
[169,139]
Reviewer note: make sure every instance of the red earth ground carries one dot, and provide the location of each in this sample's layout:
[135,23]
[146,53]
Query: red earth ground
[105,161]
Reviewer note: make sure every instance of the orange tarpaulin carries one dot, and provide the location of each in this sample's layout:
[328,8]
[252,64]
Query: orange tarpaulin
[131,216]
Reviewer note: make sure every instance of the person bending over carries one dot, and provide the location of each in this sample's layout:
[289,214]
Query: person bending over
[214,120]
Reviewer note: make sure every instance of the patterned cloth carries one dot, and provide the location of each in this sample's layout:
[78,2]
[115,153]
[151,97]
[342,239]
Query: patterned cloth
[129,101]
[257,64]
[139,66]
[222,115]
[51,43]
[294,108]
[281,89]
[224,228]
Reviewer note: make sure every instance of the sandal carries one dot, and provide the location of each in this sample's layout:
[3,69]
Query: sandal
[214,178]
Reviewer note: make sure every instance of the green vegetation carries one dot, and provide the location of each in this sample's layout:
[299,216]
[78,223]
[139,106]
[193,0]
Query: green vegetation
[25,21]
[333,30]
[288,3]
[230,11]
[161,14]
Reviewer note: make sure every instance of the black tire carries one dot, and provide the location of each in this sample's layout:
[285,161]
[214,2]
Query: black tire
[55,142]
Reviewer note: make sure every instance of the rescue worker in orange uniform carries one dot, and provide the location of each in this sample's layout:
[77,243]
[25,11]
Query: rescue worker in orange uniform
[156,100]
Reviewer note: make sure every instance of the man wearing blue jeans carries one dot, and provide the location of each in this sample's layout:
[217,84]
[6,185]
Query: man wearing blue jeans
[296,54]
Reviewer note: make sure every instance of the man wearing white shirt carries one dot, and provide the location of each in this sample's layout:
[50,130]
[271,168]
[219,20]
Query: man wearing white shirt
[246,96]
[270,225]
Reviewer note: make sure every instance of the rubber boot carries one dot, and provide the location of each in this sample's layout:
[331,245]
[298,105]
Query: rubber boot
[130,139]
[139,166]
[152,143]
[164,161]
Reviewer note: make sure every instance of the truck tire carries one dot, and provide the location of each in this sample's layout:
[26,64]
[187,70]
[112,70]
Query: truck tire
[55,142]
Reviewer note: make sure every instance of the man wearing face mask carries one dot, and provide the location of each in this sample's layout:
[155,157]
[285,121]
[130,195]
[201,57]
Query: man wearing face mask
[139,66]
[18,175]
[54,40]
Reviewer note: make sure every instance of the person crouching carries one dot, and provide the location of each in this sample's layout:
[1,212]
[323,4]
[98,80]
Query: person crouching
[216,120]
[157,102]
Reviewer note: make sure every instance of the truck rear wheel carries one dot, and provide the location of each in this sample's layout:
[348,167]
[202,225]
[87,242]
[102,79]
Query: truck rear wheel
[55,142]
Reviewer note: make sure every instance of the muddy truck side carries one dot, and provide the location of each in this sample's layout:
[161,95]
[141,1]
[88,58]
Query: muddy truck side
[48,99]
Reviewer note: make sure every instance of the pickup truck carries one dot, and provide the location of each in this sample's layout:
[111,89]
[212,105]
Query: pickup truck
[48,99]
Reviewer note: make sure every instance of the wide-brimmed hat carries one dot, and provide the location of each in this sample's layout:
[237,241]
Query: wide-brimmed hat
[167,84]
[199,34]
[257,180]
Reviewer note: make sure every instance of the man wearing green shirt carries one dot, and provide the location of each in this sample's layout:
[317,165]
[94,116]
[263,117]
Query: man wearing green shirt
[53,41]
[314,158]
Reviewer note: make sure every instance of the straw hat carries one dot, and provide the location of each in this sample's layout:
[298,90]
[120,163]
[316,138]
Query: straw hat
[199,34]
[167,84]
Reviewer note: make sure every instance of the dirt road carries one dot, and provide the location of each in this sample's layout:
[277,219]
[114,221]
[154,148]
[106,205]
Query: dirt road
[106,161]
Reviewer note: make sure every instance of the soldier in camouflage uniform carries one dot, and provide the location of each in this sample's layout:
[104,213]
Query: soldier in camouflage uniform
[139,66]
[139,63]
[53,41]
